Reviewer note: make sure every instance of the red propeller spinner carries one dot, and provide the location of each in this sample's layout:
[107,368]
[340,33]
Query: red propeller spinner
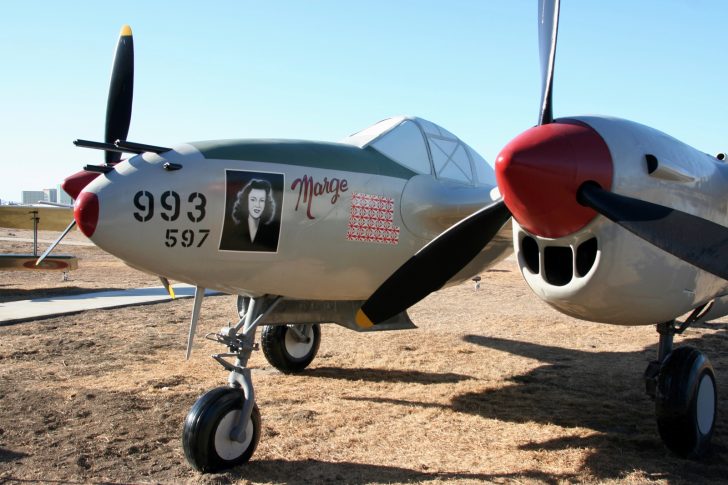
[540,171]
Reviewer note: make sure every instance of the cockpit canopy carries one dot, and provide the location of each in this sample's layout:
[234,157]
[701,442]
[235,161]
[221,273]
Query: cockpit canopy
[426,148]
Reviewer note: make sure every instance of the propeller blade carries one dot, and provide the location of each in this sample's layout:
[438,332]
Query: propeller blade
[695,240]
[433,265]
[55,243]
[548,27]
[167,286]
[121,90]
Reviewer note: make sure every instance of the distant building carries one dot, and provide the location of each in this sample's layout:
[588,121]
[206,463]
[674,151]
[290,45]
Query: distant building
[63,197]
[33,196]
[51,195]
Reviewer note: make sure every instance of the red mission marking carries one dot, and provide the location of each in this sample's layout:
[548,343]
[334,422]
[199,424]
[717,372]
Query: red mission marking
[372,220]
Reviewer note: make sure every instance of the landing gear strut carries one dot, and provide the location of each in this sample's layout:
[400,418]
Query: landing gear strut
[682,384]
[222,429]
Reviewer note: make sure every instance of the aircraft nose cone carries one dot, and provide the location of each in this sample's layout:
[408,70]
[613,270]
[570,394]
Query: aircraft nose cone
[86,212]
[540,171]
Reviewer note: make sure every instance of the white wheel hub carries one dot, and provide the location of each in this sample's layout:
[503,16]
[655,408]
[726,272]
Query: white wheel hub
[294,346]
[705,406]
[226,448]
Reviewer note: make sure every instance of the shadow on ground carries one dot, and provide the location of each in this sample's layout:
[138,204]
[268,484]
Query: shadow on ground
[315,471]
[604,392]
[379,375]
[601,391]
[8,455]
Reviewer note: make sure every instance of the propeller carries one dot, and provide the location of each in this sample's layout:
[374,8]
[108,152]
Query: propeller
[446,255]
[695,240]
[433,265]
[451,251]
[118,118]
[668,229]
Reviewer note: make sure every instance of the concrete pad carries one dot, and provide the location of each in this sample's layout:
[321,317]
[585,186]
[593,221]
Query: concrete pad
[18,311]
[26,262]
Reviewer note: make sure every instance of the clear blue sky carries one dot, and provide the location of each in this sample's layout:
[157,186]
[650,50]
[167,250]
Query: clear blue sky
[323,69]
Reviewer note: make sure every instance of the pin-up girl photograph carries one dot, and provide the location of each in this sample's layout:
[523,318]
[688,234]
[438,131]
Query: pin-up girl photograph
[252,211]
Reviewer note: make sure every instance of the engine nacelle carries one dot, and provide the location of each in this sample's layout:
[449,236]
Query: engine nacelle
[601,272]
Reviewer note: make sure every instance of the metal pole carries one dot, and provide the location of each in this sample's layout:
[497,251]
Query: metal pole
[35,233]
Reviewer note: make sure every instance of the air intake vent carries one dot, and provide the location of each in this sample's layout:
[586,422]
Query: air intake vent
[558,265]
[586,254]
[529,249]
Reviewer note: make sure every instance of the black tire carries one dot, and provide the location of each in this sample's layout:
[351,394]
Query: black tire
[207,446]
[278,350]
[686,402]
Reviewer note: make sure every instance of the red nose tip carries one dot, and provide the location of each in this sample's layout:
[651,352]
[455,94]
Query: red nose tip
[540,171]
[86,212]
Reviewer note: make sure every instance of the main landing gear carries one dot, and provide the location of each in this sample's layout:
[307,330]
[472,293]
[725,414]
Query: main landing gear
[682,384]
[222,429]
[288,348]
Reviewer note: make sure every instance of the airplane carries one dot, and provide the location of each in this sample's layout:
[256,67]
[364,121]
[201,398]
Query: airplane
[30,217]
[613,222]
[302,231]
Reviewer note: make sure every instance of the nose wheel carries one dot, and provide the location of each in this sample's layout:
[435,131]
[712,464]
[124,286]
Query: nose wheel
[290,348]
[682,383]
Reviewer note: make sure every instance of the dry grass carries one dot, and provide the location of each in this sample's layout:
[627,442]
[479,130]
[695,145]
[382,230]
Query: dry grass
[493,387]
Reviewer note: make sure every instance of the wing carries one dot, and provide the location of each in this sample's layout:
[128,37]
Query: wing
[21,217]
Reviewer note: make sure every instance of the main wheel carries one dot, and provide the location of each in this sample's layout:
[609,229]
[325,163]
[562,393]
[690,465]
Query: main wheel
[286,350]
[686,402]
[206,436]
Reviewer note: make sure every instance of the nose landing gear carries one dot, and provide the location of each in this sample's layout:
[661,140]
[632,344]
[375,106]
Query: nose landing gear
[222,428]
[682,384]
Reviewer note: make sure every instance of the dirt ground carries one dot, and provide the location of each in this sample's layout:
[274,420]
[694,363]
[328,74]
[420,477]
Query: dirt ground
[493,387]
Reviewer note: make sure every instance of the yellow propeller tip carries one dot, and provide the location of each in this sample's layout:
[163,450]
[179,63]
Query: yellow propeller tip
[171,292]
[363,320]
[125,31]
